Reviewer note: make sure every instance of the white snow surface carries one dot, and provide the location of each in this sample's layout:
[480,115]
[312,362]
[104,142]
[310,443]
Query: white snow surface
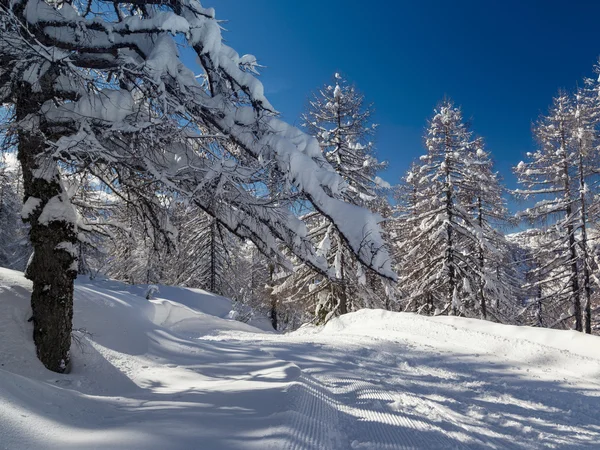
[173,372]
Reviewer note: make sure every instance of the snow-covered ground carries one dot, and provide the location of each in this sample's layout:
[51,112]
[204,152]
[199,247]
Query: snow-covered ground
[175,373]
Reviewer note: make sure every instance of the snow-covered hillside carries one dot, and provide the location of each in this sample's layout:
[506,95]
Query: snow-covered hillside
[175,373]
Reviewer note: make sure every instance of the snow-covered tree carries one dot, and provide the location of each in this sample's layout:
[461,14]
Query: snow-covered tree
[451,255]
[587,160]
[411,201]
[141,240]
[556,174]
[437,265]
[251,284]
[100,87]
[204,253]
[341,122]
[484,199]
[530,255]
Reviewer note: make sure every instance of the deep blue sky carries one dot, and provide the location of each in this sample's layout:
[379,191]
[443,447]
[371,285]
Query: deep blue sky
[502,61]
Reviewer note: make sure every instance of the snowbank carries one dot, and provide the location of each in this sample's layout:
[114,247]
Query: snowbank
[566,350]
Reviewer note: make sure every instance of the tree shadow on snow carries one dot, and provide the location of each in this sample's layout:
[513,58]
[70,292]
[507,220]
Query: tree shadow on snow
[392,396]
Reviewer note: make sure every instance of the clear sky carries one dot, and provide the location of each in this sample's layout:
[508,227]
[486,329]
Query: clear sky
[502,61]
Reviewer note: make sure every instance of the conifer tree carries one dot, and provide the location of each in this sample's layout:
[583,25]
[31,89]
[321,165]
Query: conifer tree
[203,255]
[549,174]
[485,200]
[339,119]
[586,159]
[452,257]
[412,199]
[439,269]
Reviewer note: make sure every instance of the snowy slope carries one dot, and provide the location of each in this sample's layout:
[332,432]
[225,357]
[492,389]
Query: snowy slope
[175,373]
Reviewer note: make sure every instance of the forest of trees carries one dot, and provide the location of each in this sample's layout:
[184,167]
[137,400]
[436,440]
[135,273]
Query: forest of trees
[119,161]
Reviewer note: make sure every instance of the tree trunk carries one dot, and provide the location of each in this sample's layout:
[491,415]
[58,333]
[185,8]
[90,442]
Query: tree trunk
[587,289]
[449,243]
[343,293]
[52,267]
[213,256]
[482,300]
[273,313]
[575,294]
[574,277]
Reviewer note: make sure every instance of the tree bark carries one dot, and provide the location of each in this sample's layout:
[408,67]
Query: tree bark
[343,297]
[587,289]
[449,237]
[482,300]
[213,256]
[273,312]
[52,267]
[575,294]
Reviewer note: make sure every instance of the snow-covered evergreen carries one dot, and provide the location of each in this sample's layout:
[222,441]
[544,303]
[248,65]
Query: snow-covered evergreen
[340,120]
[204,258]
[560,176]
[452,257]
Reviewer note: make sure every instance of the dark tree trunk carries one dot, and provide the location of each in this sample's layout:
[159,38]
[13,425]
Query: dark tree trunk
[51,268]
[343,297]
[273,314]
[449,237]
[587,289]
[213,258]
[575,293]
[539,293]
[482,300]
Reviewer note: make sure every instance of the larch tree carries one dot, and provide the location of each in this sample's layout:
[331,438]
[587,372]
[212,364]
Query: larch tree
[437,265]
[529,249]
[141,247]
[412,199]
[485,200]
[204,253]
[338,117]
[100,87]
[550,175]
[586,159]
[450,252]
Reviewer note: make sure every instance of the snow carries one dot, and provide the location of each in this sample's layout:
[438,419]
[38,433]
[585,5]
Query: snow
[337,92]
[108,105]
[68,247]
[174,371]
[380,182]
[9,161]
[30,206]
[58,208]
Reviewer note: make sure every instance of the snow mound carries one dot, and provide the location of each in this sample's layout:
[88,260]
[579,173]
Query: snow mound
[566,350]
